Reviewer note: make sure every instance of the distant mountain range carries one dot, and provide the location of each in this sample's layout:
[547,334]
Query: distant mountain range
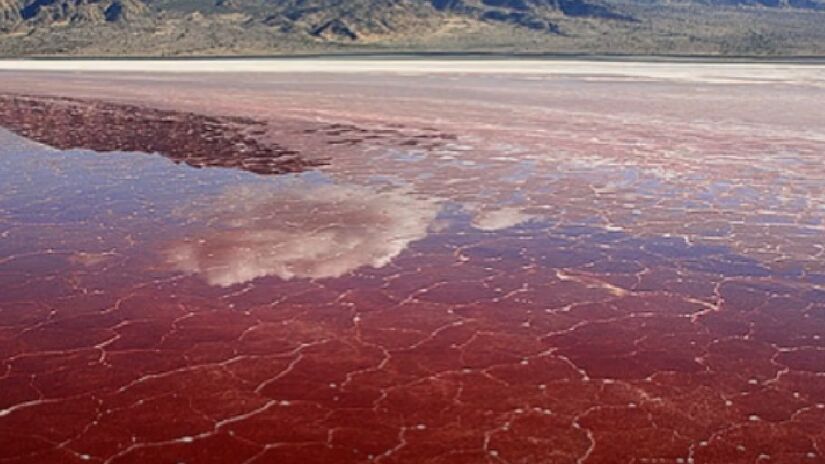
[263,27]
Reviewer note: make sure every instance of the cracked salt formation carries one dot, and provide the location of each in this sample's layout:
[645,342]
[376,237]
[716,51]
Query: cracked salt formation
[614,272]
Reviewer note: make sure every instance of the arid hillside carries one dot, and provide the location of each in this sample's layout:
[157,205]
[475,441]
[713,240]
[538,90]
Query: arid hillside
[243,27]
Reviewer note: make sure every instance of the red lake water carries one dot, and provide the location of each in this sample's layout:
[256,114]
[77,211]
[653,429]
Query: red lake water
[432,268]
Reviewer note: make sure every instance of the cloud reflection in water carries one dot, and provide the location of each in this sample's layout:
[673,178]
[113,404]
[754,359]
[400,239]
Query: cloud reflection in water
[301,230]
[492,220]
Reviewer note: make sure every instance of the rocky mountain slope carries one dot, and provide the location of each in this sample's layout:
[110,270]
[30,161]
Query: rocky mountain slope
[175,27]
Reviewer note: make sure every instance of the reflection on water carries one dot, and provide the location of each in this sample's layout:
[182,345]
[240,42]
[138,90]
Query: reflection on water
[524,293]
[301,229]
[491,220]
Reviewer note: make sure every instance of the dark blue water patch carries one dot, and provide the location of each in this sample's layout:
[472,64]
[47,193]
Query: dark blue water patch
[795,271]
[729,265]
[614,266]
[595,249]
[816,279]
[574,257]
[576,230]
[607,237]
[678,247]
[631,249]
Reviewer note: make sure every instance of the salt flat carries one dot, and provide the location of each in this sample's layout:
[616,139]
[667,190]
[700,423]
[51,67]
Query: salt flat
[813,74]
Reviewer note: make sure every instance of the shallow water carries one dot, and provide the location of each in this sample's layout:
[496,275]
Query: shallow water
[526,282]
